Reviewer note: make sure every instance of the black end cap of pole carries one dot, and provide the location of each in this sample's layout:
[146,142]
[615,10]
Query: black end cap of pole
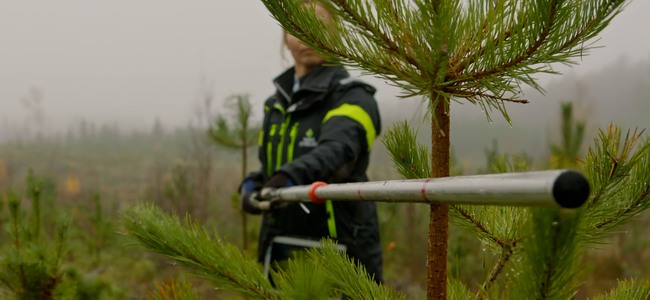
[571,189]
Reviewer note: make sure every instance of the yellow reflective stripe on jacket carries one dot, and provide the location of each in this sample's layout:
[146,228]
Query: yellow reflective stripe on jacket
[331,222]
[283,133]
[279,107]
[357,114]
[292,143]
[260,138]
[269,150]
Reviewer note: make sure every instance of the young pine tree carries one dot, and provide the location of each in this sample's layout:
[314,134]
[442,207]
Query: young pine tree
[30,259]
[239,135]
[565,154]
[480,51]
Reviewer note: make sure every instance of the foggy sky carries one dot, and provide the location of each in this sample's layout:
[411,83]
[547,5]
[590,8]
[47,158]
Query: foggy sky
[130,62]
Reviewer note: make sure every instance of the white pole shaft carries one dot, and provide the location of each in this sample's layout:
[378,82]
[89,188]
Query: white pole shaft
[556,188]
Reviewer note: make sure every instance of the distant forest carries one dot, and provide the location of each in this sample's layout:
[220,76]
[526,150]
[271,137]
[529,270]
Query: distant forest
[617,93]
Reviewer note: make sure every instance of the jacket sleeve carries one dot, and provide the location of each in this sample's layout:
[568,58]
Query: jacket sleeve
[348,130]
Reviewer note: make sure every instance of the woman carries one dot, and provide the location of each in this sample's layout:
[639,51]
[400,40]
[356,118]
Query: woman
[319,125]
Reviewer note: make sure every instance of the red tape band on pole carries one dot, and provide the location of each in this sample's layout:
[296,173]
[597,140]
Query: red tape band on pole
[312,192]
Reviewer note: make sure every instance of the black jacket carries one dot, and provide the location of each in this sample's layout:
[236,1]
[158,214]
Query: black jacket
[322,132]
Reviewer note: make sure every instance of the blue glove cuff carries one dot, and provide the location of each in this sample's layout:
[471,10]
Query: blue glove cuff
[248,185]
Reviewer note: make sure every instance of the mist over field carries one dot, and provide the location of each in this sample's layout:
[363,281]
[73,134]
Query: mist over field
[129,65]
[617,93]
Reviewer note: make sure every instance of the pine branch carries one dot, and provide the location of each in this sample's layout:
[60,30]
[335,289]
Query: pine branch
[303,278]
[632,209]
[476,96]
[404,36]
[241,135]
[317,40]
[522,58]
[506,253]
[190,245]
[347,275]
[551,257]
[551,265]
[619,171]
[466,58]
[504,238]
[559,42]
[373,32]
[477,225]
[174,290]
[456,290]
[411,160]
[609,146]
[439,52]
[315,274]
[222,134]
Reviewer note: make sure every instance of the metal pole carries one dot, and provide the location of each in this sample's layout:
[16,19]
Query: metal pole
[555,188]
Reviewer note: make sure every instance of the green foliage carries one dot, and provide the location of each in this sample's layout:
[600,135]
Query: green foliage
[481,51]
[500,163]
[89,287]
[411,159]
[30,265]
[317,273]
[324,272]
[618,169]
[457,290]
[566,154]
[550,257]
[174,289]
[35,263]
[209,257]
[628,289]
[546,250]
[538,251]
[499,228]
[301,277]
[349,278]
[240,134]
[494,225]
[124,270]
[101,230]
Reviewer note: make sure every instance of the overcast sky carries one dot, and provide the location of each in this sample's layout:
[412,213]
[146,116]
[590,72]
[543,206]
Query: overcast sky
[134,61]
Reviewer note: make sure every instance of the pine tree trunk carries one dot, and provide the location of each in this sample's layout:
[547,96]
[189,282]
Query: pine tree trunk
[439,217]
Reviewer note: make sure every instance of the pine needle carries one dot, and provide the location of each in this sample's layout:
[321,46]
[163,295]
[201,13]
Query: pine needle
[207,256]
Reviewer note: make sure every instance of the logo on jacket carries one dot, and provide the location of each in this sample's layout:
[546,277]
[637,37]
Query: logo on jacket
[308,141]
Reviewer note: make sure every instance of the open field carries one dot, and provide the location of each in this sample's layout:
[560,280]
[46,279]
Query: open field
[93,178]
